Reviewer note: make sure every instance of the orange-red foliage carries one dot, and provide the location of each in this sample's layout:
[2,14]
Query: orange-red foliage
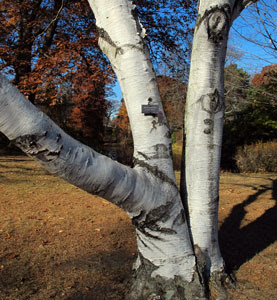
[173,95]
[265,75]
[49,49]
[122,122]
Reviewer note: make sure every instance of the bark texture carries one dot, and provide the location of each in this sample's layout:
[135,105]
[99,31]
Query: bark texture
[147,287]
[203,130]
[152,202]
[204,123]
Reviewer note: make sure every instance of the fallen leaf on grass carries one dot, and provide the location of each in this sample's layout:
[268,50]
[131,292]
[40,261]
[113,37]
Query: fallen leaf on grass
[13,255]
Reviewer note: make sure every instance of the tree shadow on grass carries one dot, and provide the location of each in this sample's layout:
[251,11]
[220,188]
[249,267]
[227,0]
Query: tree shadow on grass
[238,245]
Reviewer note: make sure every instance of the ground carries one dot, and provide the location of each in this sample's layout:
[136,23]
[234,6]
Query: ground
[58,242]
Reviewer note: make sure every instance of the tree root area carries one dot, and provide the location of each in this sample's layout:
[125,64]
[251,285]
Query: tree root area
[145,287]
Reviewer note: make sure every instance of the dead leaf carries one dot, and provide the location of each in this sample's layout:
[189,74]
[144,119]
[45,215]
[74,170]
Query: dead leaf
[13,255]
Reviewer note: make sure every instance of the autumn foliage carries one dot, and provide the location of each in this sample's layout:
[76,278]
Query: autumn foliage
[265,76]
[254,123]
[49,50]
[173,95]
[122,123]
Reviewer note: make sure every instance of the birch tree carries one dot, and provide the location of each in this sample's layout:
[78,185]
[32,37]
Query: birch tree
[178,253]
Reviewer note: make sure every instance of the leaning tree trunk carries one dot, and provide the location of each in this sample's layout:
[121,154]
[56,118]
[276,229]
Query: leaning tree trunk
[203,130]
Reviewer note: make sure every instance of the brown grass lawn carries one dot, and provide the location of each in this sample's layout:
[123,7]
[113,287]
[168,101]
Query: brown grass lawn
[58,242]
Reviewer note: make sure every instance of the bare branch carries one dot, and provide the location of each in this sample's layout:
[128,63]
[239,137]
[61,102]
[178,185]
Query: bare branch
[239,6]
[265,28]
[53,20]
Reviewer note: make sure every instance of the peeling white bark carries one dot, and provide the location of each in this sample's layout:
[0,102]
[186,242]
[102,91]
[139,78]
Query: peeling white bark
[204,124]
[122,40]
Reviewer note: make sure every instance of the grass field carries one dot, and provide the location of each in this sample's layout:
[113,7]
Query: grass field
[57,242]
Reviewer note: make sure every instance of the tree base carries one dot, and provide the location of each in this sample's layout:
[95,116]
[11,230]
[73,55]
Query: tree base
[219,283]
[145,287]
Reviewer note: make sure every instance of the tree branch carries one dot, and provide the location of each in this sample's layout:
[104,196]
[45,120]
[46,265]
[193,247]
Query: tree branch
[239,6]
[53,21]
[126,49]
[265,28]
[40,138]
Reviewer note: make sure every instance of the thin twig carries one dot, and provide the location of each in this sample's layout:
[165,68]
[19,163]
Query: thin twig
[56,17]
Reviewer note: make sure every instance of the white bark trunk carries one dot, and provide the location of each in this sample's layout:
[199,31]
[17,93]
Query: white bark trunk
[204,124]
[122,40]
[152,203]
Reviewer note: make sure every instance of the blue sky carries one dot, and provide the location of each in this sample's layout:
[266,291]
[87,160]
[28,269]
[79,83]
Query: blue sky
[253,57]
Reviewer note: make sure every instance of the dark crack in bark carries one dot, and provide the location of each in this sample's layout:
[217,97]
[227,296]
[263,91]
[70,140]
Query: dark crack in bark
[219,282]
[144,155]
[151,219]
[201,265]
[180,218]
[118,50]
[146,287]
[105,36]
[211,103]
[155,171]
[31,144]
[217,21]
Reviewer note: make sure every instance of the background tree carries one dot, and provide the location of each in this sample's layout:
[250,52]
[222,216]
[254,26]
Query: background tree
[256,29]
[255,120]
[49,49]
[169,26]
[236,84]
[173,95]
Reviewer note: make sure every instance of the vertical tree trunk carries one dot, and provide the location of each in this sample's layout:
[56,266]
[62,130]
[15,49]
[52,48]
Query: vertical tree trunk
[203,129]
[204,123]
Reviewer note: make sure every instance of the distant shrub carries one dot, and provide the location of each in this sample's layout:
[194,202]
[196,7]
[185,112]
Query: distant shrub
[260,157]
